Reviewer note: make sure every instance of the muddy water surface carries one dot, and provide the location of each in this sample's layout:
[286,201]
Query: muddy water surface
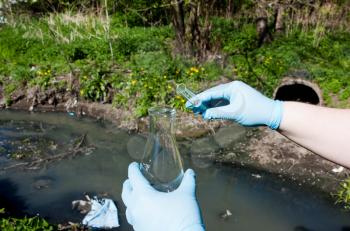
[256,200]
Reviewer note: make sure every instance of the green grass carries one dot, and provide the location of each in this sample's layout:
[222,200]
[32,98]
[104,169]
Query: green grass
[135,67]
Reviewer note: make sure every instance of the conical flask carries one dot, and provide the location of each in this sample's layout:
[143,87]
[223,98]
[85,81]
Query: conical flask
[162,163]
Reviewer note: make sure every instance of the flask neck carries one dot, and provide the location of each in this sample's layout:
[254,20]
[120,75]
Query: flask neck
[162,120]
[162,124]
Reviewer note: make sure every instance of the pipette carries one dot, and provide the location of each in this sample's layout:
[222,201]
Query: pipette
[181,89]
[200,107]
[196,103]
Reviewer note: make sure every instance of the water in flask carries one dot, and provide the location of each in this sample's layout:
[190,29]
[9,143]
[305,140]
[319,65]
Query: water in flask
[162,164]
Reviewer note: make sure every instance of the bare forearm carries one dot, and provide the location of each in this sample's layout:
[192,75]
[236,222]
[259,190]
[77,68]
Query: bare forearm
[325,131]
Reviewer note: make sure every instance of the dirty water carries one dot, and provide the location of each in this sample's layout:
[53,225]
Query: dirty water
[230,197]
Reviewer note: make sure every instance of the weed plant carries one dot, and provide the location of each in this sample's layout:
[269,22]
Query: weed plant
[343,195]
[134,67]
[24,224]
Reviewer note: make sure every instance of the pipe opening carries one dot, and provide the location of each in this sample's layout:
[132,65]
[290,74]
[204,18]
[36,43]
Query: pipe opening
[297,92]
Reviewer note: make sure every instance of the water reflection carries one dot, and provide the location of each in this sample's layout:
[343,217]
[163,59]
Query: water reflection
[264,203]
[13,203]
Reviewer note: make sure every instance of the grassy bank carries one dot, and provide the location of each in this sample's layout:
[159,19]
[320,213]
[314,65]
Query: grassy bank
[135,67]
[123,62]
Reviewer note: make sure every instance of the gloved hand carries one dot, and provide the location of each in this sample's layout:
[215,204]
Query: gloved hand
[151,210]
[246,105]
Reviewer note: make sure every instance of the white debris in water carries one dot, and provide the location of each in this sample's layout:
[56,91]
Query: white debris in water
[338,170]
[257,176]
[226,214]
[100,213]
[103,214]
[82,206]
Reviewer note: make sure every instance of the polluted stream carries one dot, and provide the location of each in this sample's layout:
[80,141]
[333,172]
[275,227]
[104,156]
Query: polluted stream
[93,160]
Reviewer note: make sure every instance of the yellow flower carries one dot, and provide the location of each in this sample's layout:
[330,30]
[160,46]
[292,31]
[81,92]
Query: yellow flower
[194,69]
[82,92]
[133,82]
[169,87]
[182,100]
[164,76]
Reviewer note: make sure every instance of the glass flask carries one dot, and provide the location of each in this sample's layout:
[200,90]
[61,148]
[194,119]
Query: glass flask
[162,164]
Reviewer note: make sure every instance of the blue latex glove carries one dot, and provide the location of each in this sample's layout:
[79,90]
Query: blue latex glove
[151,210]
[246,105]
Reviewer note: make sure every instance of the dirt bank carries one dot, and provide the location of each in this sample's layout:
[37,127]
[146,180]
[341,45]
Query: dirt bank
[33,99]
[269,150]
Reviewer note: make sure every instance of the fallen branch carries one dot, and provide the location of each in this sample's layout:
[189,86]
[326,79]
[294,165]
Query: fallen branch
[72,152]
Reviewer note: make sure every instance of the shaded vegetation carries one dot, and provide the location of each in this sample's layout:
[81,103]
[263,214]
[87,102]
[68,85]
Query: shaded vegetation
[343,195]
[126,53]
[328,62]
[11,211]
[25,224]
